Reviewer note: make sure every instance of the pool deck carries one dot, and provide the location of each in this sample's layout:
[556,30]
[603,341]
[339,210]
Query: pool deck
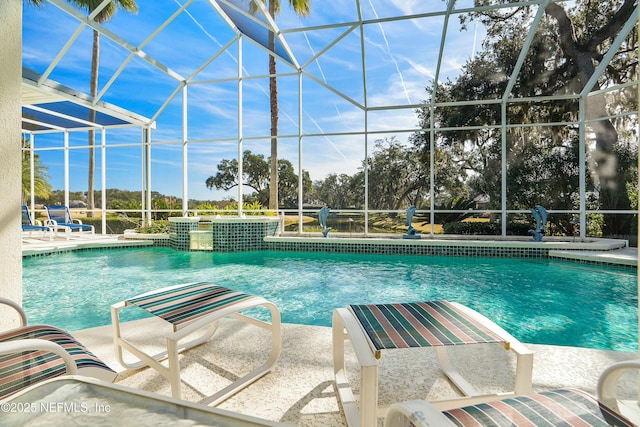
[33,246]
[623,256]
[300,390]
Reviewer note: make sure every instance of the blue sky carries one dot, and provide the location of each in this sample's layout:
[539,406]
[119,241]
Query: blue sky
[401,59]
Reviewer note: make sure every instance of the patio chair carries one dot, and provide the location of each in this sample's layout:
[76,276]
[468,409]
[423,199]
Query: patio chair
[59,216]
[31,354]
[375,328]
[29,226]
[568,407]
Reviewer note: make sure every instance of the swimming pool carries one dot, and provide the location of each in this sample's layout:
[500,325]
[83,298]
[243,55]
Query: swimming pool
[538,301]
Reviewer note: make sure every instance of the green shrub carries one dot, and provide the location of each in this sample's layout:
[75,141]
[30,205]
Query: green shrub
[115,225]
[487,228]
[519,228]
[207,208]
[472,228]
[156,227]
[253,206]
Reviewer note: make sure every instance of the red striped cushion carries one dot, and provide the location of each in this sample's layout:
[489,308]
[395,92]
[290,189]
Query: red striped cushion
[184,303]
[20,370]
[566,407]
[420,324]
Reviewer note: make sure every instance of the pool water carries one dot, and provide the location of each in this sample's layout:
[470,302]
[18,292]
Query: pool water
[538,301]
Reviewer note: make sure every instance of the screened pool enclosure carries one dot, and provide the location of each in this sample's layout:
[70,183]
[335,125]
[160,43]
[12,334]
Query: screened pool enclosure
[471,111]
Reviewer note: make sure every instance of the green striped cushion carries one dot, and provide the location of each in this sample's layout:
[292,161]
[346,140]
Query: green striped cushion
[565,407]
[184,303]
[420,324]
[20,370]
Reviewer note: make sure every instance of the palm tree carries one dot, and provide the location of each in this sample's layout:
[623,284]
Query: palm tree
[103,16]
[301,8]
[41,187]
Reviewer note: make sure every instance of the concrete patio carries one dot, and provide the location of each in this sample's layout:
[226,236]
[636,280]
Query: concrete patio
[300,390]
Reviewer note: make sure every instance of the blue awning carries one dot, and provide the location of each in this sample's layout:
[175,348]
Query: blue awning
[50,106]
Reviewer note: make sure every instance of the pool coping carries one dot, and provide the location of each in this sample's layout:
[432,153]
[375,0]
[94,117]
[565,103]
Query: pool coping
[627,257]
[46,248]
[461,241]
[595,251]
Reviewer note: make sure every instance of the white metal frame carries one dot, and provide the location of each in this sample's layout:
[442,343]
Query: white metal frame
[301,70]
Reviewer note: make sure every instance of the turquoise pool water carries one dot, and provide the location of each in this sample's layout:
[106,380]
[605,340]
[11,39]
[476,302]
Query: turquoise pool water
[538,301]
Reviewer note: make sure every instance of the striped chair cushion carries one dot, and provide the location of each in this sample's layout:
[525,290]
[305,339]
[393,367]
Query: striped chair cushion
[184,303]
[20,370]
[566,407]
[420,324]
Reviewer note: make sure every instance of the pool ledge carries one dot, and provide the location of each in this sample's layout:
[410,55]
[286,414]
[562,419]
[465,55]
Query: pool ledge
[460,241]
[600,251]
[594,251]
[34,248]
[622,256]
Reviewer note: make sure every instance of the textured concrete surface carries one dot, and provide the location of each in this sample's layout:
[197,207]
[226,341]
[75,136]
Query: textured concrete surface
[300,390]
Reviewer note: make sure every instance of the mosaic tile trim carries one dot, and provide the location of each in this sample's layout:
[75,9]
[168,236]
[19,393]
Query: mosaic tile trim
[162,243]
[242,236]
[385,249]
[226,236]
[594,262]
[179,234]
[429,250]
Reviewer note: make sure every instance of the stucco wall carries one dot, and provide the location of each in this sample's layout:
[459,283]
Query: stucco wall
[10,164]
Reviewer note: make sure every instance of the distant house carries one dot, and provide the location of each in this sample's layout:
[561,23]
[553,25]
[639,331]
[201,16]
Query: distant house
[482,201]
[313,204]
[77,204]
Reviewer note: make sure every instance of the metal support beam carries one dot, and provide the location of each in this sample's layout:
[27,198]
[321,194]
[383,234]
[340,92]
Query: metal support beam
[103,174]
[185,151]
[240,132]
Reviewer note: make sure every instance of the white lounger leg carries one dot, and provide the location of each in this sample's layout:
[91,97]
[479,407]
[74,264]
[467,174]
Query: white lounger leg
[276,347]
[452,373]
[524,356]
[145,359]
[367,414]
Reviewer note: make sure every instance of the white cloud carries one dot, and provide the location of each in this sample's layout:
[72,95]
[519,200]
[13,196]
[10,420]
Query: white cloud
[401,61]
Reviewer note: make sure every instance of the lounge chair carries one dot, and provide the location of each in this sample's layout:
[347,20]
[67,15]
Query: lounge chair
[31,354]
[374,328]
[59,216]
[30,226]
[567,407]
